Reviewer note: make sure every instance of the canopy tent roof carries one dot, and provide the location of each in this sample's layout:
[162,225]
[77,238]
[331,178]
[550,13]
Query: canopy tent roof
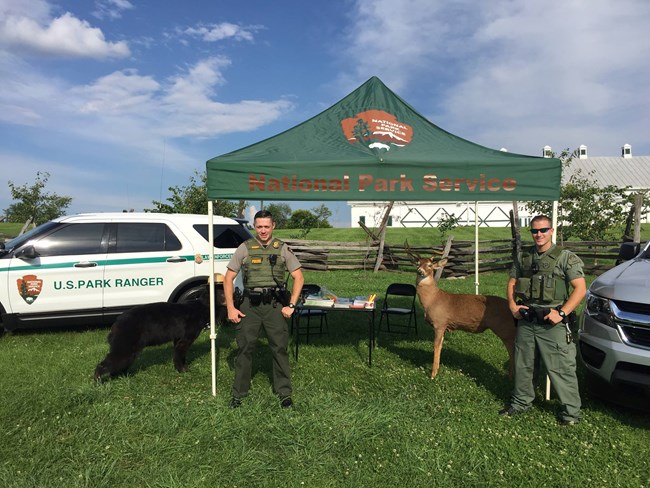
[372,145]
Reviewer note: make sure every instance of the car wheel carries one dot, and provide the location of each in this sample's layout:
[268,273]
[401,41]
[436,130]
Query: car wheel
[190,294]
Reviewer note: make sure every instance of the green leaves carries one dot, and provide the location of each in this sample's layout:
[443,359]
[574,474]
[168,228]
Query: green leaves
[193,199]
[34,204]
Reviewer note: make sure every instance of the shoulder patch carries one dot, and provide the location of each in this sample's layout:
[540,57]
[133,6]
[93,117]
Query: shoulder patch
[573,259]
[276,244]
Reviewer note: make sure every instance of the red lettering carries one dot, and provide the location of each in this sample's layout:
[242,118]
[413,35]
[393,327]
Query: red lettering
[364,181]
[406,184]
[509,184]
[494,184]
[254,182]
[430,183]
[305,185]
[446,184]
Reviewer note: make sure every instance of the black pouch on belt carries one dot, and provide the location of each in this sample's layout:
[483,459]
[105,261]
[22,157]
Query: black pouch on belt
[541,313]
[255,297]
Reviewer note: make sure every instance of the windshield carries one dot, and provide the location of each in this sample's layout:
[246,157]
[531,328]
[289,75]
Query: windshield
[22,239]
[646,253]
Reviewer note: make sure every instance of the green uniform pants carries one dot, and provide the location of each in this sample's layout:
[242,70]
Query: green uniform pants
[270,317]
[559,359]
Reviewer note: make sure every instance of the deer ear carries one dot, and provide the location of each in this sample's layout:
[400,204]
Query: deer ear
[442,263]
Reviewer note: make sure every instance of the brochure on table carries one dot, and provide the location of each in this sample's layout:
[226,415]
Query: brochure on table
[327,299]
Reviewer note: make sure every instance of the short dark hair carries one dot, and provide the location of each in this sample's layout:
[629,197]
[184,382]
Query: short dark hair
[537,218]
[263,214]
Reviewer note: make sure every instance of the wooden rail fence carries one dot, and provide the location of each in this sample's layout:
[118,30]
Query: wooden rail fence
[494,255]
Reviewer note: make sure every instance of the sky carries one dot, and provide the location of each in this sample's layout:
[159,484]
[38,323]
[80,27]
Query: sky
[118,100]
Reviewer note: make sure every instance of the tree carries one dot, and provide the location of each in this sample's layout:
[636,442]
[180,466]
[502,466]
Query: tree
[34,204]
[193,199]
[305,220]
[585,210]
[322,213]
[281,213]
[302,219]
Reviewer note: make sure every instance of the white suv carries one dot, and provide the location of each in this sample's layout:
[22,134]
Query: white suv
[89,268]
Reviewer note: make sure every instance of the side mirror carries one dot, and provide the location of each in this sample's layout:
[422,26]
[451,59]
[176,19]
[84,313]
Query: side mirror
[27,252]
[628,250]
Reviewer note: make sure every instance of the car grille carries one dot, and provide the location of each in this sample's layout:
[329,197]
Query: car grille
[631,307]
[633,320]
[639,336]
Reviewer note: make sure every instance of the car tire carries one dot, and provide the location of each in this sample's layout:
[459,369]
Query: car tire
[190,294]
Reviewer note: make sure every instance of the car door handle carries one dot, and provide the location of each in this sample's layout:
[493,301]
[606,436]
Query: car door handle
[85,264]
[176,259]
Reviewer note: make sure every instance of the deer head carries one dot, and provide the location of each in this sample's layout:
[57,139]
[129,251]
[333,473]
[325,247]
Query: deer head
[428,266]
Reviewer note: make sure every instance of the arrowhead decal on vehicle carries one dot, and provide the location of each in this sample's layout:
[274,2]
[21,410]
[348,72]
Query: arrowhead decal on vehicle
[29,288]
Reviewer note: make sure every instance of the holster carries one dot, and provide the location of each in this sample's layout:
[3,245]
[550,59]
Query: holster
[534,314]
[259,296]
[283,296]
[238,298]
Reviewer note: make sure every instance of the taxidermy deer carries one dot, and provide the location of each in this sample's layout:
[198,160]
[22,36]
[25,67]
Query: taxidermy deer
[471,313]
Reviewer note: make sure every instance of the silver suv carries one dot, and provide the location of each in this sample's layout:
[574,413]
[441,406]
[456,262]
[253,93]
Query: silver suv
[614,336]
[89,268]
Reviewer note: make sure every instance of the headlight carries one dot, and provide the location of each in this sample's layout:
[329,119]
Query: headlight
[600,309]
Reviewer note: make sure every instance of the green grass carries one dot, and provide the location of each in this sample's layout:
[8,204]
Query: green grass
[353,426]
[9,230]
[426,236]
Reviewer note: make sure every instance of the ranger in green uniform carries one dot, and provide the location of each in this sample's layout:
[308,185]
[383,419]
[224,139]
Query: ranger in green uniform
[264,262]
[539,296]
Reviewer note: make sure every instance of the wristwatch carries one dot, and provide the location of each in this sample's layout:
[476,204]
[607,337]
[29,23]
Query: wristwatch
[291,305]
[562,314]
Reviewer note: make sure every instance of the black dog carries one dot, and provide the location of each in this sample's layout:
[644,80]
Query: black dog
[154,324]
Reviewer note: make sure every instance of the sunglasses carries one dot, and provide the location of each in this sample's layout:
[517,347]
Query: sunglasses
[543,230]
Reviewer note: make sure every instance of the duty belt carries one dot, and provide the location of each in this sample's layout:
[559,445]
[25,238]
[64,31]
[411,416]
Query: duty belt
[249,291]
[260,295]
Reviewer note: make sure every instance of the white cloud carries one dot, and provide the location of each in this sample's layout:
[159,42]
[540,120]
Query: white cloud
[219,32]
[111,9]
[121,92]
[35,31]
[515,73]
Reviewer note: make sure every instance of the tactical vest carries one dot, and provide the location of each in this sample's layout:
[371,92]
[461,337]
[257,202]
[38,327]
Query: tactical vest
[258,268]
[542,281]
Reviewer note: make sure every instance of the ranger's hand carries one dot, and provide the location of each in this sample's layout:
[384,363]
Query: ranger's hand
[235,315]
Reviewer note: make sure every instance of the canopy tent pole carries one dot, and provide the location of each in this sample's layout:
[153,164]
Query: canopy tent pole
[554,240]
[476,282]
[213,335]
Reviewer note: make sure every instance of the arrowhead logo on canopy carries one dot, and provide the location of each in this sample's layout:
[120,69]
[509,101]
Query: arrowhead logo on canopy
[377,130]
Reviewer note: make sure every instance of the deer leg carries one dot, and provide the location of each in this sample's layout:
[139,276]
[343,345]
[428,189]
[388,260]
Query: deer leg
[507,336]
[437,347]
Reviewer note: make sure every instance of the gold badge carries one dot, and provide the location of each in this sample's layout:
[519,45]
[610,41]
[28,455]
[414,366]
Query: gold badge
[276,244]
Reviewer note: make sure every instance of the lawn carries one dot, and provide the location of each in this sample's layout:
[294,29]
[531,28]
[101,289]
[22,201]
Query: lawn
[353,426]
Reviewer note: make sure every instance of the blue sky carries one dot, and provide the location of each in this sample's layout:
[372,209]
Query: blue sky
[120,99]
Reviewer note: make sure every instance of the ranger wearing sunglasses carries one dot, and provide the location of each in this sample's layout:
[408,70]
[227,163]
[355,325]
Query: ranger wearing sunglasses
[546,284]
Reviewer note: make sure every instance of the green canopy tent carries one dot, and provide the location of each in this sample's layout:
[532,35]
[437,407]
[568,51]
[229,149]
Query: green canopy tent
[372,145]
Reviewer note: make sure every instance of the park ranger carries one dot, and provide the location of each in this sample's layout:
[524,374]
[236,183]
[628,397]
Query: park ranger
[546,285]
[266,303]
